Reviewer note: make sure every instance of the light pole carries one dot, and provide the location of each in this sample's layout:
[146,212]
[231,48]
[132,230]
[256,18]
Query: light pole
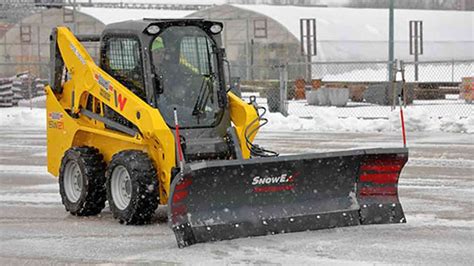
[390,39]
[308,43]
[416,42]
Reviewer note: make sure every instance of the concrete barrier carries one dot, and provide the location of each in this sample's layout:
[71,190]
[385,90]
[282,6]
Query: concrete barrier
[383,93]
[328,96]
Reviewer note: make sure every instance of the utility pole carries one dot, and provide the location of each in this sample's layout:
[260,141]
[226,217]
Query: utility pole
[390,40]
[416,42]
[308,43]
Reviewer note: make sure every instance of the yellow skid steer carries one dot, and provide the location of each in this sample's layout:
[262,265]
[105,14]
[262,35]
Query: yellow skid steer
[155,123]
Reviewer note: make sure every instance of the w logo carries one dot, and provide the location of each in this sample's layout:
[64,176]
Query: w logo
[120,100]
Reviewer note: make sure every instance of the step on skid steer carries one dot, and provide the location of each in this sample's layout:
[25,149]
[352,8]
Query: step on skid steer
[155,123]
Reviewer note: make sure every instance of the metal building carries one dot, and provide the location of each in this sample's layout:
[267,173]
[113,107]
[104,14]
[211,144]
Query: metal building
[25,46]
[255,40]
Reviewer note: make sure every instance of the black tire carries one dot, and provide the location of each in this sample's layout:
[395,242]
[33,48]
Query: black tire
[91,198]
[143,197]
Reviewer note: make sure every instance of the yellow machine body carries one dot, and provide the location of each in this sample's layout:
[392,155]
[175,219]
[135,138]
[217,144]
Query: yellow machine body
[106,143]
[67,127]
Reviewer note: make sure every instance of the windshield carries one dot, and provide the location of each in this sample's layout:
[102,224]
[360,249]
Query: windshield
[186,64]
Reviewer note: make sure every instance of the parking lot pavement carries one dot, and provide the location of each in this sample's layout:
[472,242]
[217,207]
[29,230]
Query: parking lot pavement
[436,191]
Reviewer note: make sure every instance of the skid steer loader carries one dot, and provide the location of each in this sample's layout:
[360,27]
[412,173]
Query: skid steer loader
[155,123]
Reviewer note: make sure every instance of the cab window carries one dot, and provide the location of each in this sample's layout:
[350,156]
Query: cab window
[123,61]
[185,60]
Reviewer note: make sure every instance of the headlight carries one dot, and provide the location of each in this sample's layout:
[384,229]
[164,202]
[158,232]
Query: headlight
[153,29]
[216,28]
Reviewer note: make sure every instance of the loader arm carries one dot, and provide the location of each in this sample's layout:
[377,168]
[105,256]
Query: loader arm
[86,78]
[242,115]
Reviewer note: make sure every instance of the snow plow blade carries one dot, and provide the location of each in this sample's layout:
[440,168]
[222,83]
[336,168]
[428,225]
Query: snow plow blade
[220,200]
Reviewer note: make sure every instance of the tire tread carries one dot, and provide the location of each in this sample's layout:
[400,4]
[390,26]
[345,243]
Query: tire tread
[94,172]
[141,169]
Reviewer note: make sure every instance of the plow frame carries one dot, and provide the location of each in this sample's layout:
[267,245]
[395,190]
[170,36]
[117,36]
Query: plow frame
[369,195]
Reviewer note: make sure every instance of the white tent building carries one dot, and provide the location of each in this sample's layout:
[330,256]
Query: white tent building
[343,34]
[265,35]
[350,34]
[112,15]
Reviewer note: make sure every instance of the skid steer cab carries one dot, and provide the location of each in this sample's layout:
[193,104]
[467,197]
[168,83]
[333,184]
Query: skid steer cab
[155,123]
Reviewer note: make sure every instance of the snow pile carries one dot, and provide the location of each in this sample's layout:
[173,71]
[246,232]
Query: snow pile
[23,117]
[454,108]
[38,102]
[327,121]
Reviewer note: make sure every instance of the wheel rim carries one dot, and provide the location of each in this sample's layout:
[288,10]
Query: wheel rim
[73,181]
[121,187]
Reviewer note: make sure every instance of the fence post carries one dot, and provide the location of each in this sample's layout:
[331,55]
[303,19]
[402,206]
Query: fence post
[390,38]
[416,65]
[394,84]
[283,89]
[404,90]
[38,40]
[247,50]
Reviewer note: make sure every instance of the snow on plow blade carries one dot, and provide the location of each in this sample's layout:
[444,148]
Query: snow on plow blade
[220,200]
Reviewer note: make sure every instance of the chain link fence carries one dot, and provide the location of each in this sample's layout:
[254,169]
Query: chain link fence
[435,89]
[22,80]
[438,71]
[364,89]
[32,59]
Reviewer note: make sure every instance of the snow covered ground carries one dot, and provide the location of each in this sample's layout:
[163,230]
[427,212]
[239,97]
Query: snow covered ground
[21,117]
[436,191]
[450,115]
